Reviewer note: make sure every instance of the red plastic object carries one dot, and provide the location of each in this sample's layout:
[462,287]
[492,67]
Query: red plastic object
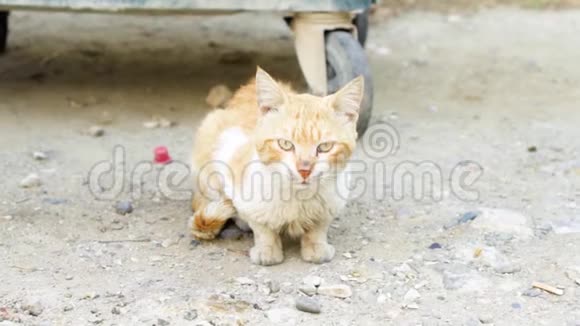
[162,155]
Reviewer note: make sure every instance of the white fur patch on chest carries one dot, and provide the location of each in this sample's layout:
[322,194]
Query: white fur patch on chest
[275,203]
[229,142]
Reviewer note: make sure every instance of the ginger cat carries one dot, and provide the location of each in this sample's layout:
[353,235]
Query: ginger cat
[276,159]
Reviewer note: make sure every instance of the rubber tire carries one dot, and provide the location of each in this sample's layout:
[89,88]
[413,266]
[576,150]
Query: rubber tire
[346,60]
[361,21]
[3,30]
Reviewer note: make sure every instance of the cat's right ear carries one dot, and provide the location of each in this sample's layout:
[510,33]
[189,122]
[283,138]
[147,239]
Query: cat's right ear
[270,95]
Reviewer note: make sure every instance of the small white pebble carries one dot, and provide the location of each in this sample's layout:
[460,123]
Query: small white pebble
[39,156]
[165,123]
[454,18]
[383,51]
[245,280]
[270,299]
[30,181]
[155,258]
[167,243]
[151,124]
[381,298]
[96,131]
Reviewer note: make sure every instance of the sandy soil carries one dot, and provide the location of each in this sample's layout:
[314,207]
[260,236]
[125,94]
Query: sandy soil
[499,87]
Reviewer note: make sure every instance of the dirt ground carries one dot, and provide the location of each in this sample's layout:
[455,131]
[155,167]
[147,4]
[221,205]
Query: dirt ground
[499,87]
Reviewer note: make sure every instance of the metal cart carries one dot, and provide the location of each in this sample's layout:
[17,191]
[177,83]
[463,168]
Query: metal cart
[329,34]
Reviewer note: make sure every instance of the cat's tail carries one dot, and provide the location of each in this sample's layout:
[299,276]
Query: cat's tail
[210,216]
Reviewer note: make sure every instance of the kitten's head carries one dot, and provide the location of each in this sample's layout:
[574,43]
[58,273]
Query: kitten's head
[312,136]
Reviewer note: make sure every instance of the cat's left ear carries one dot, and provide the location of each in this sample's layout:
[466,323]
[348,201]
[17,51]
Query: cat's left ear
[347,100]
[270,94]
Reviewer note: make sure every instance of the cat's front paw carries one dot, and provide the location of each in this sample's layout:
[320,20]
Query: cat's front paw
[317,253]
[266,255]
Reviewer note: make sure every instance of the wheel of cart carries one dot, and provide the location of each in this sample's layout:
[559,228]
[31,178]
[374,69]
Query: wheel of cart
[345,59]
[329,35]
[331,55]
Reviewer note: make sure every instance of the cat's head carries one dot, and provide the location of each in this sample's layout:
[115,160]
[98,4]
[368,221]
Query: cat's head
[312,136]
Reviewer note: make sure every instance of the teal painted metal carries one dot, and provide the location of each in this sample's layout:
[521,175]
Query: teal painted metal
[188,5]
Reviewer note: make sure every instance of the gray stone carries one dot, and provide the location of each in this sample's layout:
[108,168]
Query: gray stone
[486,319]
[30,181]
[464,218]
[194,243]
[231,232]
[468,216]
[242,224]
[307,304]
[190,315]
[34,309]
[162,322]
[124,207]
[435,245]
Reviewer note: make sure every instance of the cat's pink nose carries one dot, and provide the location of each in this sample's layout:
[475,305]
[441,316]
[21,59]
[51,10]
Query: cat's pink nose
[304,167]
[305,173]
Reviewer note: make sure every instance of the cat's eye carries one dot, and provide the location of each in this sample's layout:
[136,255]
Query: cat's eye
[325,147]
[285,145]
